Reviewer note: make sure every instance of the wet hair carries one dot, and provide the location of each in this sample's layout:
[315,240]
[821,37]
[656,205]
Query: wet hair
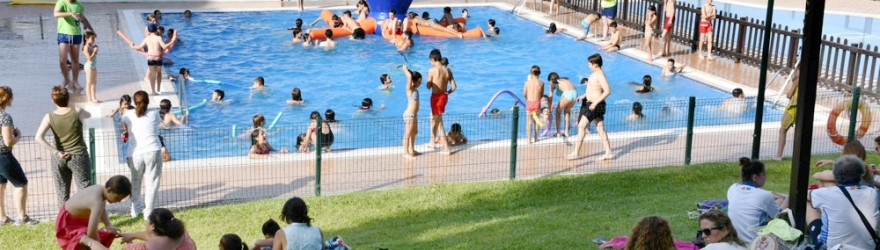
[232,242]
[435,55]
[737,92]
[296,211]
[89,34]
[652,8]
[383,78]
[164,107]
[328,33]
[260,81]
[426,15]
[553,77]
[164,223]
[585,80]
[119,184]
[299,22]
[141,102]
[464,10]
[646,80]
[299,140]
[220,93]
[595,59]
[270,226]
[157,13]
[254,134]
[347,13]
[359,34]
[160,30]
[447,10]
[60,96]
[125,98]
[723,221]
[750,168]
[848,169]
[613,24]
[314,115]
[296,94]
[366,103]
[259,120]
[671,61]
[855,148]
[171,32]
[495,111]
[297,31]
[492,22]
[497,31]
[652,232]
[330,115]
[551,29]
[536,71]
[444,61]
[184,71]
[416,76]
[637,109]
[456,127]
[187,13]
[5,96]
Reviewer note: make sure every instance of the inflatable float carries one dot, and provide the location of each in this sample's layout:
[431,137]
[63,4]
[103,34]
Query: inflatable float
[380,8]
[369,26]
[831,125]
[433,31]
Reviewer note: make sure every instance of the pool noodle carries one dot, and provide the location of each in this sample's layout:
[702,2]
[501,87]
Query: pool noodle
[233,130]
[14,2]
[492,100]
[275,121]
[124,37]
[537,120]
[195,107]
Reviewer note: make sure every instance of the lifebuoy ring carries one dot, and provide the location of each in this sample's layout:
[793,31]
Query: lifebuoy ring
[832,122]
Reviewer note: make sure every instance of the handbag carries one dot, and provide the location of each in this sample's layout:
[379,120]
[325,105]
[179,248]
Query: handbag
[862,216]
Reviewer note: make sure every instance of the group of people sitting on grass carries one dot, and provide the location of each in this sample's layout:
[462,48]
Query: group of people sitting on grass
[77,225]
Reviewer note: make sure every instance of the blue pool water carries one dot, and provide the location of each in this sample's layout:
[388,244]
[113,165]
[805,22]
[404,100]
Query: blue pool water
[236,47]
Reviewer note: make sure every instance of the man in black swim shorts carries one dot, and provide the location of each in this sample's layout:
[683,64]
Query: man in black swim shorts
[593,108]
[598,114]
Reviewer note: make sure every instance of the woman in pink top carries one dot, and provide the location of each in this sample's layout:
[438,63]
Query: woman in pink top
[164,231]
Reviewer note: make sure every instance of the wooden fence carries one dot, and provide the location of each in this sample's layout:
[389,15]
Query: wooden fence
[844,65]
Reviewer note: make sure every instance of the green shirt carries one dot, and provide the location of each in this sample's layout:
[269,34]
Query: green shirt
[68,25]
[608,3]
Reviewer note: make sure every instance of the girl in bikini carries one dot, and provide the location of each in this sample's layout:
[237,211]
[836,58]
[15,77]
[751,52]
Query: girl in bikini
[90,50]
[410,116]
[311,135]
[562,87]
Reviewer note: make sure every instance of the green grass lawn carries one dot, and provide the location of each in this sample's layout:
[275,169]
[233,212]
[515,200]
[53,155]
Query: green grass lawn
[563,211]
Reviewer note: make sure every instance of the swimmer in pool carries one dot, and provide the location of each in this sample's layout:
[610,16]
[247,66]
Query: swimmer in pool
[385,80]
[258,87]
[636,112]
[552,30]
[406,42]
[298,24]
[616,38]
[297,36]
[672,68]
[646,85]
[306,40]
[218,95]
[187,14]
[352,25]
[427,21]
[327,44]
[295,97]
[533,90]
[491,28]
[495,112]
[565,90]
[367,105]
[736,104]
[447,19]
[168,119]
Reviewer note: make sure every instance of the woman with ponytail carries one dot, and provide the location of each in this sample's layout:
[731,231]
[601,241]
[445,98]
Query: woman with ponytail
[232,242]
[144,153]
[164,231]
[750,205]
[299,234]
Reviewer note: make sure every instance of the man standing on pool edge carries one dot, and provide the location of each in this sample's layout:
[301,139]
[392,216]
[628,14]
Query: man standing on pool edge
[439,78]
[593,108]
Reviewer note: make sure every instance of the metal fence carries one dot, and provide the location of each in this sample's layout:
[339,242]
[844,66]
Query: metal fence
[210,164]
[844,65]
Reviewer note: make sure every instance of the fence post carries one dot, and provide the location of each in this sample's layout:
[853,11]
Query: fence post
[853,113]
[692,105]
[513,144]
[92,156]
[851,70]
[625,14]
[793,49]
[318,149]
[696,37]
[741,39]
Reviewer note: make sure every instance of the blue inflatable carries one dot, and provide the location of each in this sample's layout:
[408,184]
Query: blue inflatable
[379,9]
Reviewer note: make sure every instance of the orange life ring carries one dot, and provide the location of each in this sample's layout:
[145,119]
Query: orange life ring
[832,122]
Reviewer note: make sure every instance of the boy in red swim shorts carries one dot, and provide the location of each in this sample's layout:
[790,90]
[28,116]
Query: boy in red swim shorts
[668,24]
[706,30]
[439,78]
[78,218]
[533,90]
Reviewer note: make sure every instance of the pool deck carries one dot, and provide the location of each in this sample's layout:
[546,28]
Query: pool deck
[31,69]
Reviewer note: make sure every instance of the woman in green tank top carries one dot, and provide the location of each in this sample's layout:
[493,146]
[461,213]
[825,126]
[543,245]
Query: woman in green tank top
[70,159]
[70,15]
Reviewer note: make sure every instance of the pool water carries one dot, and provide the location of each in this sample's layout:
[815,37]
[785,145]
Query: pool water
[236,47]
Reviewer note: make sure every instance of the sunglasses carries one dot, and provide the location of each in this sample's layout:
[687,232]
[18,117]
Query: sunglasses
[708,231]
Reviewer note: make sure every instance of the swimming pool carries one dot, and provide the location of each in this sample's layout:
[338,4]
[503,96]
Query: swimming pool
[236,47]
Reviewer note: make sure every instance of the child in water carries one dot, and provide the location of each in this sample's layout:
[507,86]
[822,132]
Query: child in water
[295,97]
[260,147]
[636,112]
[456,137]
[124,104]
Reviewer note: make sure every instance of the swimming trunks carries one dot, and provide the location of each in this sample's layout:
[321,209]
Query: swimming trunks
[70,39]
[586,27]
[705,27]
[570,95]
[154,62]
[668,23]
[533,106]
[69,229]
[597,114]
[438,103]
[610,12]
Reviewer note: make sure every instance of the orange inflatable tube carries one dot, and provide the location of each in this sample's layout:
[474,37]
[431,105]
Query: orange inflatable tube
[369,26]
[431,31]
[457,20]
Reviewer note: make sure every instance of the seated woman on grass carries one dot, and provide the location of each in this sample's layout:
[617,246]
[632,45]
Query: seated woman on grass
[299,233]
[164,231]
[826,178]
[718,233]
[652,232]
[750,205]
